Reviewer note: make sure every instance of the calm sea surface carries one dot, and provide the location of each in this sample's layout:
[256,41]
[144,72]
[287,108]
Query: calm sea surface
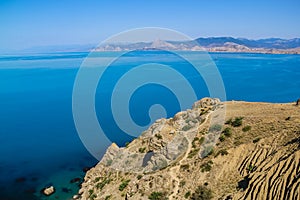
[39,144]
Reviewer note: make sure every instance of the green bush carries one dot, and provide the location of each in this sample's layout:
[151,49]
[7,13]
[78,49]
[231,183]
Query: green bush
[221,152]
[107,197]
[202,193]
[246,128]
[222,138]
[124,184]
[157,196]
[97,179]
[227,132]
[250,168]
[101,184]
[193,152]
[142,149]
[158,136]
[238,121]
[187,194]
[206,167]
[181,184]
[139,176]
[185,167]
[256,140]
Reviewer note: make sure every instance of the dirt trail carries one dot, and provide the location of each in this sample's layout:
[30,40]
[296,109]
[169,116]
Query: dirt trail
[174,171]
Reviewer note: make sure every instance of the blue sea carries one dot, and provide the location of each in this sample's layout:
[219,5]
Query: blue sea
[39,143]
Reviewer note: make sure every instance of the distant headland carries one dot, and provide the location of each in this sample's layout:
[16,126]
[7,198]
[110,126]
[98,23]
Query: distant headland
[214,44]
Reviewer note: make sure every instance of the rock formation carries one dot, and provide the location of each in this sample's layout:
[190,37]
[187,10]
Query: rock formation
[255,154]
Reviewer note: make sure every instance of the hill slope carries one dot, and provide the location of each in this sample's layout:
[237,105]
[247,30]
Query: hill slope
[256,156]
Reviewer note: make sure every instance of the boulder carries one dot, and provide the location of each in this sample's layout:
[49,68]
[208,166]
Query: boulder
[48,191]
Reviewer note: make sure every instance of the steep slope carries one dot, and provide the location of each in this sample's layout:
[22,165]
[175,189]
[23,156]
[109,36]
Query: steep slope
[256,156]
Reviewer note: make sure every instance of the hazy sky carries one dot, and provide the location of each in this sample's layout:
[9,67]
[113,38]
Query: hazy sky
[37,23]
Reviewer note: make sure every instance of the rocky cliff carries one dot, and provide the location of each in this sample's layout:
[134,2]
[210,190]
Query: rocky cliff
[256,156]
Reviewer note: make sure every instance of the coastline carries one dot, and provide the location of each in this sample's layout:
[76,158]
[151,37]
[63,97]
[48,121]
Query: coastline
[259,116]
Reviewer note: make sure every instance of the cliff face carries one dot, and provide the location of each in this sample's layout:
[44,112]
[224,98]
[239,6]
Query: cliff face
[256,156]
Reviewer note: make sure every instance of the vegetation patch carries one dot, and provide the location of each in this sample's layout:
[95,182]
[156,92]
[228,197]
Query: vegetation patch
[187,194]
[256,140]
[222,138]
[185,167]
[202,193]
[193,152]
[246,128]
[123,185]
[142,149]
[139,176]
[238,121]
[108,197]
[157,196]
[206,167]
[222,152]
[227,132]
[158,136]
[197,141]
[101,184]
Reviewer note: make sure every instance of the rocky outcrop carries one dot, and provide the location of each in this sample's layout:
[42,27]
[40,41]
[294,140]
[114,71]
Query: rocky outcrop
[48,191]
[254,155]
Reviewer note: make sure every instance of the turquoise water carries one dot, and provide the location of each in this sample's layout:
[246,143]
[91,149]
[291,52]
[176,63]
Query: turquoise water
[39,142]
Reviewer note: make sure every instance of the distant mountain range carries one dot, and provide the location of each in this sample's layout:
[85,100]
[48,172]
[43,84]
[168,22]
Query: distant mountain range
[275,43]
[211,44]
[214,44]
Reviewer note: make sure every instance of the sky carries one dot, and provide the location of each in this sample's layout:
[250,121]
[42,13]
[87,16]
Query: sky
[29,23]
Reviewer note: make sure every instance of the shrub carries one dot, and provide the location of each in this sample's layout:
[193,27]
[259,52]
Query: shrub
[124,184]
[193,152]
[238,121]
[229,121]
[187,194]
[103,183]
[201,140]
[107,197]
[256,140]
[215,128]
[250,168]
[158,136]
[139,176]
[126,144]
[222,138]
[246,128]
[97,179]
[221,152]
[227,132]
[206,167]
[181,183]
[142,149]
[202,193]
[185,167]
[93,196]
[194,142]
[157,196]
